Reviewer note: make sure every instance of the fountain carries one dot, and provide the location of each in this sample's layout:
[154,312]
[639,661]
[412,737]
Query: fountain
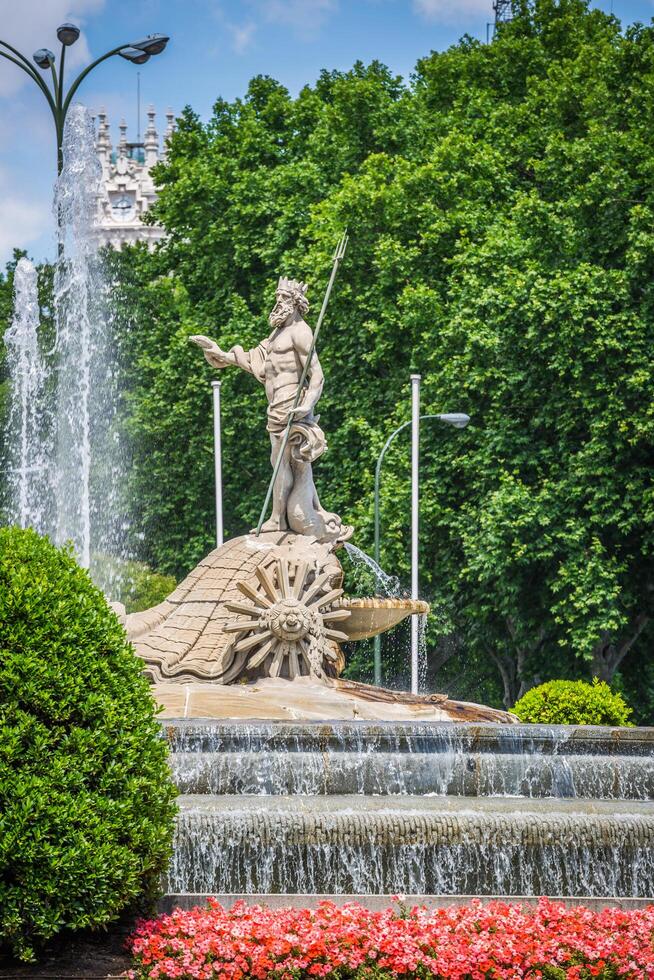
[67,465]
[28,424]
[88,467]
[411,807]
[295,782]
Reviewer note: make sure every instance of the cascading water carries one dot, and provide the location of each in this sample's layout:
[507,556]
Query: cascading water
[28,424]
[414,807]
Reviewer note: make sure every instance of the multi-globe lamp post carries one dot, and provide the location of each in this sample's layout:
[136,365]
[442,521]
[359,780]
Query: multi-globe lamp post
[138,52]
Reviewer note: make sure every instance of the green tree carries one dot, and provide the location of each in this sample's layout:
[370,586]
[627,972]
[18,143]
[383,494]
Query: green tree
[500,210]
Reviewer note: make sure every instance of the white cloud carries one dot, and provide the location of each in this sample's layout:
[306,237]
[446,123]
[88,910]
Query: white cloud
[32,24]
[445,11]
[304,17]
[242,35]
[22,219]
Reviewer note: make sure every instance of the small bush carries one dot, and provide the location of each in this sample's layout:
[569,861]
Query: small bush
[86,799]
[573,703]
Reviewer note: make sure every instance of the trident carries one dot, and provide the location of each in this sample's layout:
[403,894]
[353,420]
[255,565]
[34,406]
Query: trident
[338,258]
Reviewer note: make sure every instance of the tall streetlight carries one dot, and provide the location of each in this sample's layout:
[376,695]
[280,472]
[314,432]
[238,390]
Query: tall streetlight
[138,52]
[459,421]
[217,462]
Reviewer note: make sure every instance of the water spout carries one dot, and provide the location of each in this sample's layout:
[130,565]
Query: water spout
[26,458]
[66,464]
[78,293]
[388,585]
[89,466]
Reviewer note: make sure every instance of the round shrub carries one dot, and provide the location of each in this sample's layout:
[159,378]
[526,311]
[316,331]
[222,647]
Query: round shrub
[573,703]
[86,798]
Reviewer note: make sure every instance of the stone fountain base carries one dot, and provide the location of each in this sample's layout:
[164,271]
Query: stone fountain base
[305,699]
[420,808]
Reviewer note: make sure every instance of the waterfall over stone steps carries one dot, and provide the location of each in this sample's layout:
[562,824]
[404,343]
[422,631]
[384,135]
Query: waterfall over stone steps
[412,807]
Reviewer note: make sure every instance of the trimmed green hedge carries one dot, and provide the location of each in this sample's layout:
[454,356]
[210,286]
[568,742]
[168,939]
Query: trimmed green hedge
[573,703]
[86,798]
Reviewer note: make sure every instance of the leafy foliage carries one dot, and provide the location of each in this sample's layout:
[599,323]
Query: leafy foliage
[86,798]
[500,209]
[573,703]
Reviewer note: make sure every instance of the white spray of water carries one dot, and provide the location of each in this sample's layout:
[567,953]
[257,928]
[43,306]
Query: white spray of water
[388,585]
[78,293]
[64,401]
[26,458]
[88,467]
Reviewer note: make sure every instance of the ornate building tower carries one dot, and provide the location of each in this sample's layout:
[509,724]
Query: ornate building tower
[127,187]
[503,11]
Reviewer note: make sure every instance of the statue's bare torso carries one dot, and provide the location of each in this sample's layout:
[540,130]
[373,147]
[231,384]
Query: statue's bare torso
[286,351]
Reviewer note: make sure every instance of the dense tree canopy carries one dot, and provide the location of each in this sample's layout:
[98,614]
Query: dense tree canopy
[500,209]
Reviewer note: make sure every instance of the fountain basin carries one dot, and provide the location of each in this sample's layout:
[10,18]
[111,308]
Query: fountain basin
[417,807]
[372,616]
[412,759]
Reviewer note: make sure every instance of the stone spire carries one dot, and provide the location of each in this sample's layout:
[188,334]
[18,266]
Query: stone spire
[122,143]
[170,129]
[103,140]
[170,124]
[151,142]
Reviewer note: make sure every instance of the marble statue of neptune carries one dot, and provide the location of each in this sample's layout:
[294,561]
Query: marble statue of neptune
[278,363]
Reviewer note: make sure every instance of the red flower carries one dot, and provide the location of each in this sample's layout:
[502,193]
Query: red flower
[499,941]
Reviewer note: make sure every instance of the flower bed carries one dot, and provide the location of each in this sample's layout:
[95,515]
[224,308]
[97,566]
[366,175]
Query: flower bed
[501,941]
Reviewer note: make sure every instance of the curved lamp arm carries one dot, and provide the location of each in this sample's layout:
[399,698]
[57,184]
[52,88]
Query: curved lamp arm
[60,87]
[27,68]
[82,75]
[459,421]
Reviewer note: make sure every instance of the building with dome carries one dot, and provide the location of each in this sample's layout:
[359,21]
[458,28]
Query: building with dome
[128,190]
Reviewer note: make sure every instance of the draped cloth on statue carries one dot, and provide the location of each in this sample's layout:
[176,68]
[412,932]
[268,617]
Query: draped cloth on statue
[306,439]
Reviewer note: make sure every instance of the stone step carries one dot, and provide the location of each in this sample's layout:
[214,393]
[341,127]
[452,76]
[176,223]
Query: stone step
[414,845]
[381,772]
[184,900]
[422,736]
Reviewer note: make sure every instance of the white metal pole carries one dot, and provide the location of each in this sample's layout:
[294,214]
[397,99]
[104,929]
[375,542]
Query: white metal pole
[415,521]
[218,470]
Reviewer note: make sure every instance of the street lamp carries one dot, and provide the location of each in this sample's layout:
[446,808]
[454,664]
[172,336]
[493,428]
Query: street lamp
[458,421]
[138,52]
[67,34]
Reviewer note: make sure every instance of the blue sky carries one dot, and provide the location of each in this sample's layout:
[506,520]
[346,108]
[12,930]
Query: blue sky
[217,45]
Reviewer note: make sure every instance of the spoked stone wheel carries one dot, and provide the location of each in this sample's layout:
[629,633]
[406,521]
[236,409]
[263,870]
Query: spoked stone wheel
[288,629]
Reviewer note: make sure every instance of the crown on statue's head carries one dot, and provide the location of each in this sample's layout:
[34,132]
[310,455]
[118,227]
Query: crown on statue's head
[292,286]
[297,290]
